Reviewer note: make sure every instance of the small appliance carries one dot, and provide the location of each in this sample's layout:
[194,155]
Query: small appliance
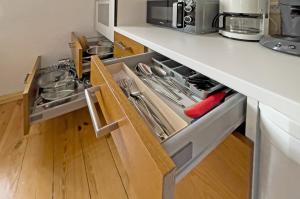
[289,39]
[243,19]
[192,16]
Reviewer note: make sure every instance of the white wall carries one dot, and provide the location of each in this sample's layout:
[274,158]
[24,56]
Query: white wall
[29,28]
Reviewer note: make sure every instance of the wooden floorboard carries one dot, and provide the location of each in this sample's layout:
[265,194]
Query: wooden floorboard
[6,112]
[103,177]
[62,159]
[70,179]
[37,171]
[12,150]
[12,97]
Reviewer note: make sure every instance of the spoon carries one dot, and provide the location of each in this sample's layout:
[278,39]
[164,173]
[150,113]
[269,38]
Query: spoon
[159,71]
[162,73]
[146,70]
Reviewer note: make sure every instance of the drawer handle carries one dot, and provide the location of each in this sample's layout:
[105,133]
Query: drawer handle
[26,78]
[122,46]
[72,45]
[100,130]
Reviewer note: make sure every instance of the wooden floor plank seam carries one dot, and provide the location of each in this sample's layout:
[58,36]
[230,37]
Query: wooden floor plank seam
[23,158]
[85,166]
[11,151]
[6,118]
[53,171]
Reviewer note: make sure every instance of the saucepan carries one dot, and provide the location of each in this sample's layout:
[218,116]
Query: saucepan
[102,51]
[57,84]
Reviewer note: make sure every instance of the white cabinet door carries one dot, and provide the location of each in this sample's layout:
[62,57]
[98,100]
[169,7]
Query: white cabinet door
[105,18]
[279,157]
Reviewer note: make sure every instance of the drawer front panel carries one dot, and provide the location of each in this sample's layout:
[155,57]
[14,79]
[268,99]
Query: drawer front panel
[77,51]
[29,94]
[149,169]
[57,108]
[124,46]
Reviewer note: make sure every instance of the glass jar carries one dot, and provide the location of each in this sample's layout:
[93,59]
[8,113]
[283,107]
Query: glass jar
[243,24]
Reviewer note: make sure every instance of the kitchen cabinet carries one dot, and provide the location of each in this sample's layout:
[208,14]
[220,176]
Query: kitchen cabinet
[105,16]
[112,13]
[153,166]
[277,163]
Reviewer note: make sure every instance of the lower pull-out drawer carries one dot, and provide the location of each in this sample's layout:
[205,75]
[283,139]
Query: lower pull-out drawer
[35,109]
[153,166]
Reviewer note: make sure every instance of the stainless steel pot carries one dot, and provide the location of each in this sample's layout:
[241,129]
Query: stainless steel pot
[53,96]
[57,84]
[105,43]
[47,80]
[101,51]
[68,84]
[61,90]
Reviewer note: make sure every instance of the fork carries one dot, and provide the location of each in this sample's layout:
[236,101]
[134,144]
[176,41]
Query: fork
[145,108]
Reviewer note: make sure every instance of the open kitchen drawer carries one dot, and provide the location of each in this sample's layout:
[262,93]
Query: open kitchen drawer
[35,111]
[80,44]
[153,166]
[122,47]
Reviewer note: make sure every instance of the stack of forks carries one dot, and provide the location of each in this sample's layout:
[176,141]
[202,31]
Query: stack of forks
[157,122]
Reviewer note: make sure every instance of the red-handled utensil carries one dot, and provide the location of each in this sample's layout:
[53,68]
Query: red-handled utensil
[206,105]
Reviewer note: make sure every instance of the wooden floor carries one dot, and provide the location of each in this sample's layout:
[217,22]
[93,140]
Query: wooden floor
[62,159]
[223,174]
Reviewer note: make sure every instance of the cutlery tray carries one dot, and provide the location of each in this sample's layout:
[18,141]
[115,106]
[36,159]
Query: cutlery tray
[171,112]
[181,74]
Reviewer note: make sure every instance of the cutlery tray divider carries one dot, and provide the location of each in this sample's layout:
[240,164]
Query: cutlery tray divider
[172,69]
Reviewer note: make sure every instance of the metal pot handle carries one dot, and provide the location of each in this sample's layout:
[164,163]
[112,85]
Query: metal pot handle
[72,44]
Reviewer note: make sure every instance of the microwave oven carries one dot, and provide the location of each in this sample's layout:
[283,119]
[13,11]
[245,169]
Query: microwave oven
[192,16]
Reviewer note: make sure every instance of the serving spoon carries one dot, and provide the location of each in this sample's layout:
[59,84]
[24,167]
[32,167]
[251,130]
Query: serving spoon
[146,71]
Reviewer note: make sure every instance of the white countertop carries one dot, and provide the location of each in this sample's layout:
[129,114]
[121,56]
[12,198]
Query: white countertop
[270,77]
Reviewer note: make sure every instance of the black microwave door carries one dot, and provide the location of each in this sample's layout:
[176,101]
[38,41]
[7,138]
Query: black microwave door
[159,12]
